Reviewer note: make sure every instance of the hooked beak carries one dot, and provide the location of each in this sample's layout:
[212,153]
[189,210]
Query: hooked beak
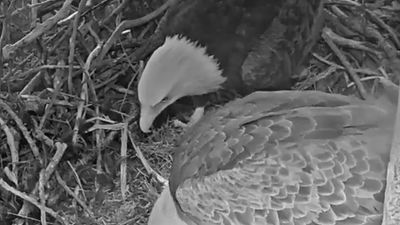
[147,117]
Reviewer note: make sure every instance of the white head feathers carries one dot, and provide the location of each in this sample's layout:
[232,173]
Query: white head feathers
[178,68]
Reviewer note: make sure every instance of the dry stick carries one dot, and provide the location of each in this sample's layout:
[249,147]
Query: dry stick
[57,87]
[324,60]
[72,41]
[39,30]
[4,34]
[34,14]
[13,148]
[18,67]
[326,36]
[5,30]
[42,197]
[391,214]
[26,208]
[368,31]
[41,101]
[90,85]
[117,10]
[94,34]
[39,4]
[124,156]
[78,180]
[137,72]
[41,136]
[130,24]
[84,96]
[93,7]
[30,199]
[36,78]
[344,2]
[374,17]
[381,23]
[61,147]
[350,43]
[70,192]
[36,70]
[145,163]
[364,71]
[24,130]
[322,75]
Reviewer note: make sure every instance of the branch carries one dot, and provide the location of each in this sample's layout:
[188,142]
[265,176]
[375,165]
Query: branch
[39,30]
[132,23]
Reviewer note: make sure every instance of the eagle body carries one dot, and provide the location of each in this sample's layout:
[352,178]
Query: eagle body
[228,47]
[284,157]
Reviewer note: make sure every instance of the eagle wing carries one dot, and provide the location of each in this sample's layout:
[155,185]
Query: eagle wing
[285,157]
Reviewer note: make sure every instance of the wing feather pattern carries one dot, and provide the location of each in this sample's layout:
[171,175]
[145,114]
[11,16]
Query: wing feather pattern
[285,157]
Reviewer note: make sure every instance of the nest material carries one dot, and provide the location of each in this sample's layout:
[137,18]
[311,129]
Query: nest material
[69,151]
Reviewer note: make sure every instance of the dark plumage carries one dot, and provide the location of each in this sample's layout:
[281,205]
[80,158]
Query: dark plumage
[232,47]
[286,157]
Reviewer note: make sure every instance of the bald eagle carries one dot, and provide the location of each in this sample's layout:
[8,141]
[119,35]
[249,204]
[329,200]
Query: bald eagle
[229,47]
[284,157]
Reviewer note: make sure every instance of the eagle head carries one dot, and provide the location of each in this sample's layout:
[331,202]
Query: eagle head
[178,68]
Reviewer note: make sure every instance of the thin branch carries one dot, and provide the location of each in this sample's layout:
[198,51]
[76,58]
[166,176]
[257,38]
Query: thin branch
[132,23]
[326,35]
[24,130]
[30,199]
[39,30]
[72,41]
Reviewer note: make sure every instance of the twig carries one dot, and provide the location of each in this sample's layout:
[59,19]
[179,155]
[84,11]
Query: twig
[326,36]
[70,192]
[36,70]
[98,5]
[42,101]
[145,163]
[124,156]
[27,208]
[42,197]
[85,91]
[78,180]
[57,85]
[5,30]
[30,86]
[365,79]
[343,2]
[72,41]
[358,25]
[12,146]
[364,71]
[24,130]
[39,4]
[60,150]
[350,43]
[30,199]
[39,30]
[34,13]
[132,23]
[117,10]
[381,23]
[99,134]
[39,134]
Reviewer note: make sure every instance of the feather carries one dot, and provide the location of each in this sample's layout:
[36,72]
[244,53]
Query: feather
[227,48]
[285,157]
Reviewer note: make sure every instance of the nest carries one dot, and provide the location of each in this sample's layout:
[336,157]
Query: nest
[70,148]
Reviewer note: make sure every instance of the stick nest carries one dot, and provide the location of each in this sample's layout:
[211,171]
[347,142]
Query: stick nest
[71,151]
